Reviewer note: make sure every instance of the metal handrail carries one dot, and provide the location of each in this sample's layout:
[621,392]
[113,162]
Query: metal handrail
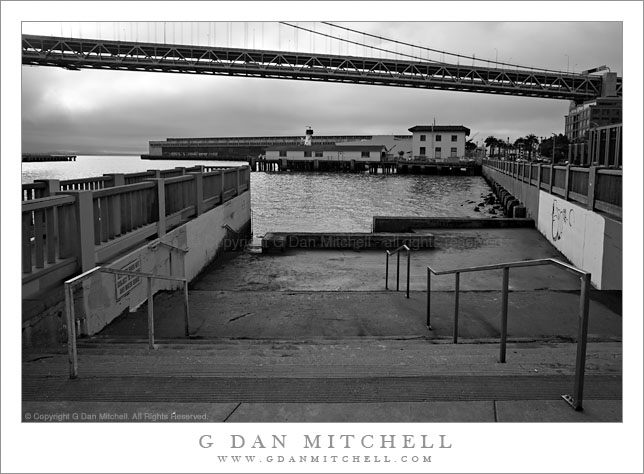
[397,252]
[170,246]
[69,308]
[584,300]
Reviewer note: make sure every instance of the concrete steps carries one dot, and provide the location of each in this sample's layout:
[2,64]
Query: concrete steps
[317,390]
[321,360]
[325,380]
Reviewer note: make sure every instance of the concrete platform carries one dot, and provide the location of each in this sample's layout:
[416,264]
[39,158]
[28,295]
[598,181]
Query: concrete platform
[364,270]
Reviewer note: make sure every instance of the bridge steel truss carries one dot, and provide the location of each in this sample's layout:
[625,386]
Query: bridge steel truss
[77,54]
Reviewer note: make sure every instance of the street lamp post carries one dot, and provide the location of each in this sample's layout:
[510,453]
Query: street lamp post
[554,143]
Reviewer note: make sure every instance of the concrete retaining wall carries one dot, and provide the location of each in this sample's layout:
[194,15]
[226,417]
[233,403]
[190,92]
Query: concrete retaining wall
[103,297]
[205,238]
[590,240]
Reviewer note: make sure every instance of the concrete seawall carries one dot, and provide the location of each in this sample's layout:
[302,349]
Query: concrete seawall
[408,224]
[590,240]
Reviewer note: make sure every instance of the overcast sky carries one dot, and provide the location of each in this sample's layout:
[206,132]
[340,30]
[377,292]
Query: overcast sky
[89,112]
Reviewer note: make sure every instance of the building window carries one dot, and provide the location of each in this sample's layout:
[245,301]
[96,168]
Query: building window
[454,138]
[437,153]
[365,154]
[307,154]
[422,138]
[438,138]
[452,152]
[282,153]
[422,150]
[318,154]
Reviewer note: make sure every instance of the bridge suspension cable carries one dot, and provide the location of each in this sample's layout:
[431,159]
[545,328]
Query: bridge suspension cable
[358,43]
[382,38]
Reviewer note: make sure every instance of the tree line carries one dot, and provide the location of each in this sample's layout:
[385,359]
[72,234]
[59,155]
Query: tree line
[531,144]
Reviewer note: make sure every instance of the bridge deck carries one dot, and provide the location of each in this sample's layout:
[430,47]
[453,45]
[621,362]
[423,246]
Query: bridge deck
[74,54]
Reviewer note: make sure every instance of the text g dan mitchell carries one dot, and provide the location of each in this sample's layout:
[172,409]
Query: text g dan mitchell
[346,441]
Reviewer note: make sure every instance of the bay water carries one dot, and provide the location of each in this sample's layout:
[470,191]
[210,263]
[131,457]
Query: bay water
[308,202]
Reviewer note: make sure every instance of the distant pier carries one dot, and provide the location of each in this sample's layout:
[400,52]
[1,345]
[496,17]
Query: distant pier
[377,167]
[35,157]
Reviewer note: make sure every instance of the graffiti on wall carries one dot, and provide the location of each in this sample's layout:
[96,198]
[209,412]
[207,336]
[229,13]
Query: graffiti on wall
[561,219]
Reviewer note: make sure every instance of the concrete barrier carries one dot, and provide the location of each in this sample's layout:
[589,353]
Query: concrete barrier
[408,224]
[511,204]
[519,212]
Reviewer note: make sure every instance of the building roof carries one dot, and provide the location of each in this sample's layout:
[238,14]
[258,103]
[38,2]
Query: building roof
[440,128]
[360,147]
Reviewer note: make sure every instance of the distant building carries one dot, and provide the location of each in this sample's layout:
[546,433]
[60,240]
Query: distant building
[592,114]
[436,143]
[439,142]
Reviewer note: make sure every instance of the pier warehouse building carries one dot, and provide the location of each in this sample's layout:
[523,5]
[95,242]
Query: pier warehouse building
[245,148]
[427,143]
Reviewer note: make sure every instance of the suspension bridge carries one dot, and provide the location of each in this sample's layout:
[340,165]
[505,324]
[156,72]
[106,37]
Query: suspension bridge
[403,70]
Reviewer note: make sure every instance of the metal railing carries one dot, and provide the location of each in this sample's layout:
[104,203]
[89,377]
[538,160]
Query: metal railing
[397,253]
[594,188]
[584,298]
[69,304]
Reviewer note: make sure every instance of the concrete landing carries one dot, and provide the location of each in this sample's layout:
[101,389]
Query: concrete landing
[364,270]
[326,314]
